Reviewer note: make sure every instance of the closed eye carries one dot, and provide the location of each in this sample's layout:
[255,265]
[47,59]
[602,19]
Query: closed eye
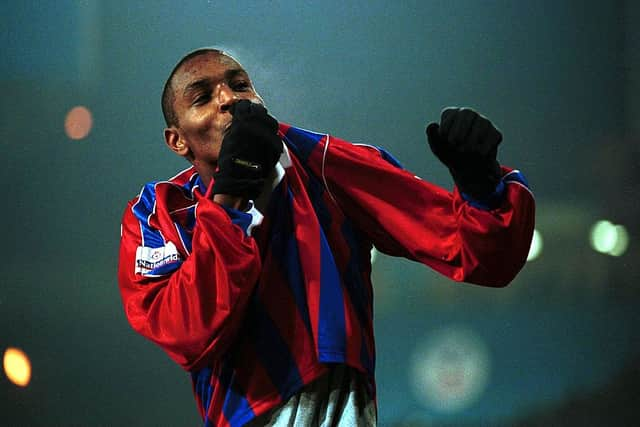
[241,86]
[202,99]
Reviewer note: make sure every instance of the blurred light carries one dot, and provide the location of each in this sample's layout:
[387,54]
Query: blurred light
[374,255]
[450,370]
[603,236]
[78,122]
[536,246]
[609,238]
[17,366]
[622,241]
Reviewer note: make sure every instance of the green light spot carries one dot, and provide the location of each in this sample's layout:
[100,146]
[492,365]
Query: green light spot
[622,241]
[536,246]
[604,236]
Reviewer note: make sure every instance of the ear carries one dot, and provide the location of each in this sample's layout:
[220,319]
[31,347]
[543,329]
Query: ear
[174,141]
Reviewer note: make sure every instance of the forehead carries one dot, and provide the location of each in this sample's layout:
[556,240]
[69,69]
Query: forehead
[211,65]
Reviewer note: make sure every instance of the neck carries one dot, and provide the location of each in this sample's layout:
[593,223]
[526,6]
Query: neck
[205,171]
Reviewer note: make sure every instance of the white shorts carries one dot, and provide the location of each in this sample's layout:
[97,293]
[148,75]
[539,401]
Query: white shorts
[337,399]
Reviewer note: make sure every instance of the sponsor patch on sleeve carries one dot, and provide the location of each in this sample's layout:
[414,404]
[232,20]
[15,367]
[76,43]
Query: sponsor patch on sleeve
[157,261]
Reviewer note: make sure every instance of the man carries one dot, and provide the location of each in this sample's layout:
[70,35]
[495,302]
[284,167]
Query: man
[251,268]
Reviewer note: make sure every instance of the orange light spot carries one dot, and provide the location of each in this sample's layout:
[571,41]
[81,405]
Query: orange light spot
[17,366]
[78,122]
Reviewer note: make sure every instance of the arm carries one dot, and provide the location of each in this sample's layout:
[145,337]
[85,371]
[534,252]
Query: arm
[194,311]
[406,216]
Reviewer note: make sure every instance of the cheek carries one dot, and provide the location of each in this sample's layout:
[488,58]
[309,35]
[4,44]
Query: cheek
[205,128]
[216,150]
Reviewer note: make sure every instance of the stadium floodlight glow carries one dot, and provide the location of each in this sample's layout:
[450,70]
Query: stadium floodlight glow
[78,122]
[536,246]
[17,366]
[603,236]
[449,370]
[608,238]
[622,241]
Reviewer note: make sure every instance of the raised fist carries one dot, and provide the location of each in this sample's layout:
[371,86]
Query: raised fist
[467,143]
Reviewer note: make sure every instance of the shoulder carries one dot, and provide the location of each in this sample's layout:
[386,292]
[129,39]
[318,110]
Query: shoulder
[171,193]
[306,144]
[301,141]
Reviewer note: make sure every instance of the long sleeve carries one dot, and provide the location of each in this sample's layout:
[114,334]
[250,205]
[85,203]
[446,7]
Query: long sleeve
[406,216]
[189,300]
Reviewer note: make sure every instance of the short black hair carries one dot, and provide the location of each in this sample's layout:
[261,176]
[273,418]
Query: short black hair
[168,94]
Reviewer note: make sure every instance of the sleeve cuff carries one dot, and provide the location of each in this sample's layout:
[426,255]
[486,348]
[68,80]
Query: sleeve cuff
[490,202]
[511,176]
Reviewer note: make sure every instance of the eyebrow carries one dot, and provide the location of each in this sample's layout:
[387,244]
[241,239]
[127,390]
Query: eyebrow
[207,82]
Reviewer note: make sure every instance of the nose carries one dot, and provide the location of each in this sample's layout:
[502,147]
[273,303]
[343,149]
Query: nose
[225,97]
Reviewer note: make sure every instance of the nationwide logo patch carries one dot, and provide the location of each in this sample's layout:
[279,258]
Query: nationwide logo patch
[149,260]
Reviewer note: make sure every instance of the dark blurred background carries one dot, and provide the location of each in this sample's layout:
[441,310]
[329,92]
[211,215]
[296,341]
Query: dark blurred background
[560,78]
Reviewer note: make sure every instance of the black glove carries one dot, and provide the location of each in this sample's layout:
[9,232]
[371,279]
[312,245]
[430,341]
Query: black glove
[467,143]
[250,150]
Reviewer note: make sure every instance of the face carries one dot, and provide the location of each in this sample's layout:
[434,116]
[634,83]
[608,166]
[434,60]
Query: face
[205,87]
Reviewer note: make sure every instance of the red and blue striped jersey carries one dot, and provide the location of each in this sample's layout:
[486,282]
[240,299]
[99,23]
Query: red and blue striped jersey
[256,316]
